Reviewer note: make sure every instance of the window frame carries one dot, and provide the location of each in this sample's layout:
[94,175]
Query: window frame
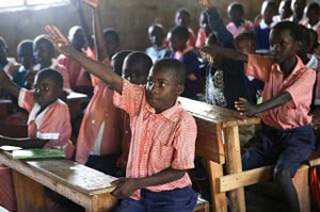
[26,6]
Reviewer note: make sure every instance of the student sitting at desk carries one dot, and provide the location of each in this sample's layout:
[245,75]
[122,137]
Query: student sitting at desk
[157,176]
[45,130]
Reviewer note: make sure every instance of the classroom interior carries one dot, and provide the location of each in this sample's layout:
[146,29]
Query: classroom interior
[223,131]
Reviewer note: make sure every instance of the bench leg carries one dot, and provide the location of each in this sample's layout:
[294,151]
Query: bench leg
[301,183]
[233,164]
[219,200]
[34,199]
[103,203]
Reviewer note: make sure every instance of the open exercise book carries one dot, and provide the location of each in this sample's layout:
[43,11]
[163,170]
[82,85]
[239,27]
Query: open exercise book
[23,154]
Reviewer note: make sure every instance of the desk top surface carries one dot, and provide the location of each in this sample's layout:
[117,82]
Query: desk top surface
[216,114]
[65,172]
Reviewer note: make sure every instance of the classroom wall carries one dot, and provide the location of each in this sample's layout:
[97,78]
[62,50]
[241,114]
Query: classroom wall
[130,17]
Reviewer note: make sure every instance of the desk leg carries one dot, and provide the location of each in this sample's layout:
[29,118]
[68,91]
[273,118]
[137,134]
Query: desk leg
[233,164]
[219,200]
[30,194]
[103,203]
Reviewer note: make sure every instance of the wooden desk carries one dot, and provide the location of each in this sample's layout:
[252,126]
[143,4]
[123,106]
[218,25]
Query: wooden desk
[218,142]
[84,186]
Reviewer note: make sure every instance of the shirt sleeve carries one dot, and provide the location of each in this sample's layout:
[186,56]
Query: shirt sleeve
[131,98]
[184,144]
[26,99]
[302,89]
[258,67]
[56,130]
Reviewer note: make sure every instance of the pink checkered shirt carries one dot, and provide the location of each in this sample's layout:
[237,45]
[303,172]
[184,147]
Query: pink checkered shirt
[159,141]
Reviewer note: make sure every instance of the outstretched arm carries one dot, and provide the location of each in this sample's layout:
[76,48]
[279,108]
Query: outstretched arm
[7,84]
[245,108]
[232,54]
[126,186]
[100,44]
[102,71]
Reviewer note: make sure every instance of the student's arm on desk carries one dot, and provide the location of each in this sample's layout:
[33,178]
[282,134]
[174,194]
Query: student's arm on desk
[126,186]
[245,108]
[25,143]
[224,52]
[7,84]
[102,71]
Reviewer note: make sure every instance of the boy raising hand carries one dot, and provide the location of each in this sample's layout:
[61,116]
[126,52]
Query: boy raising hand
[163,134]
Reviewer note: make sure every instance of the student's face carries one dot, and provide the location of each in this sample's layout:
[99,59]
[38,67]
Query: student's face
[246,46]
[298,6]
[46,91]
[26,59]
[285,10]
[182,19]
[283,46]
[133,73]
[77,39]
[269,12]
[42,52]
[313,16]
[112,45]
[175,43]
[204,23]
[156,36]
[162,89]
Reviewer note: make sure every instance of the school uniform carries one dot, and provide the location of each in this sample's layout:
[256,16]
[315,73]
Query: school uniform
[262,35]
[286,138]
[201,38]
[76,76]
[44,125]
[168,136]
[157,53]
[191,60]
[235,30]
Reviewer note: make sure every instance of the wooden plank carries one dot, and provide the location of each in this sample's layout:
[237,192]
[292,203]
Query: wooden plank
[104,202]
[233,165]
[34,201]
[301,183]
[209,141]
[218,199]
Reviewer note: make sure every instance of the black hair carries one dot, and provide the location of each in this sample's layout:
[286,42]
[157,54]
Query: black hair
[3,44]
[245,36]
[44,39]
[111,33]
[140,60]
[25,47]
[181,32]
[174,66]
[314,6]
[158,27]
[118,60]
[235,8]
[313,38]
[53,75]
[212,40]
[292,28]
[184,11]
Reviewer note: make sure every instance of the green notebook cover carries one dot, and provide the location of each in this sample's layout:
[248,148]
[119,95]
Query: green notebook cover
[37,154]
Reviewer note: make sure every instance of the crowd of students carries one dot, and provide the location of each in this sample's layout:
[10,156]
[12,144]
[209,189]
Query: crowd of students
[134,127]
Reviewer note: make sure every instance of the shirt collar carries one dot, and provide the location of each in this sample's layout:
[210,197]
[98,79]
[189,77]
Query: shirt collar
[315,27]
[313,62]
[263,24]
[169,113]
[297,68]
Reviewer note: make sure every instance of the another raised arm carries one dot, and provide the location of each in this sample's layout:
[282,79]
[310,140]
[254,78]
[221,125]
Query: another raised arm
[102,71]
[224,52]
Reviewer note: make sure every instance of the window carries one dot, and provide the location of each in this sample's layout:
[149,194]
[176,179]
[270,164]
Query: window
[26,3]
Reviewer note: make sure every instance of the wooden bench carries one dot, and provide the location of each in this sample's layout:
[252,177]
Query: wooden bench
[86,187]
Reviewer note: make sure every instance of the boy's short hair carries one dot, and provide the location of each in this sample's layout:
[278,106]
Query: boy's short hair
[313,38]
[118,60]
[157,26]
[44,39]
[181,32]
[291,27]
[111,33]
[141,60]
[174,66]
[53,75]
[185,11]
[314,6]
[250,36]
[234,8]
[25,47]
[268,3]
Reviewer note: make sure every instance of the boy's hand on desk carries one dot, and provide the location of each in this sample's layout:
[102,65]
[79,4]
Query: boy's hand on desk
[92,3]
[60,42]
[125,187]
[245,108]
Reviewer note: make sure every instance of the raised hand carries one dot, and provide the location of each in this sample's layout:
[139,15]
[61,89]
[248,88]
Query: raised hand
[92,3]
[59,41]
[204,3]
[245,108]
